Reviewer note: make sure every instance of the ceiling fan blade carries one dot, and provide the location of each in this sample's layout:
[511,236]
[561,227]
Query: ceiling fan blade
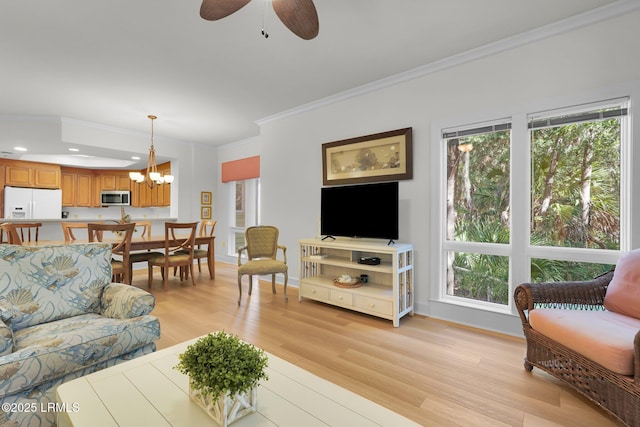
[212,10]
[300,16]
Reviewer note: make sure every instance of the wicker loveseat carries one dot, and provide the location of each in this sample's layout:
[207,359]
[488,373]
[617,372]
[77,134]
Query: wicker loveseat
[588,335]
[62,318]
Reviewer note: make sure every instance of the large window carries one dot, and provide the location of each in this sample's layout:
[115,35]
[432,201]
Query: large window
[575,186]
[545,206]
[478,206]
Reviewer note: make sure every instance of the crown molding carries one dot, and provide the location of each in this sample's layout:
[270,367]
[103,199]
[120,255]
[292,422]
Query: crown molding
[566,25]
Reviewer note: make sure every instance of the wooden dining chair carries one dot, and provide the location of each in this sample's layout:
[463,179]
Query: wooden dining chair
[171,258]
[205,230]
[122,232]
[68,227]
[142,256]
[145,228]
[28,231]
[19,232]
[13,238]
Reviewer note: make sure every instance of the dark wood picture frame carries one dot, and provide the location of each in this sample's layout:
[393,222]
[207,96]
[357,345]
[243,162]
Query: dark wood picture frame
[385,156]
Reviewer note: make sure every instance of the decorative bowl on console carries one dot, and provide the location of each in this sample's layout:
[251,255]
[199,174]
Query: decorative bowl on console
[346,281]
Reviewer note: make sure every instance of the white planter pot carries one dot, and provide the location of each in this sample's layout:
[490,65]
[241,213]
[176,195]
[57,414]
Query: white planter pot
[227,409]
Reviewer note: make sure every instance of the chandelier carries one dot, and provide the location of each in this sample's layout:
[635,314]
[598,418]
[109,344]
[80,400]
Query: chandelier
[153,177]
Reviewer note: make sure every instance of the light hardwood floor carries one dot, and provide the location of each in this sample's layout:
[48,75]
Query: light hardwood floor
[436,373]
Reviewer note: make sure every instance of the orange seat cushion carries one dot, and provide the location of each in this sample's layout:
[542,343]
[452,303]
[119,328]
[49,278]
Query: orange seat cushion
[602,336]
[623,293]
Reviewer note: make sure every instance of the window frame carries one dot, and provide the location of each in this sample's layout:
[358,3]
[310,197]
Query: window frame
[494,249]
[520,158]
[250,205]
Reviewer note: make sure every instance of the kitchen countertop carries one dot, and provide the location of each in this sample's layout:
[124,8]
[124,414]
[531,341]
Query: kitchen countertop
[57,220]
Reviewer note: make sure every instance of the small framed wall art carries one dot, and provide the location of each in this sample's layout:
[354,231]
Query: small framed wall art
[205,212]
[385,156]
[205,197]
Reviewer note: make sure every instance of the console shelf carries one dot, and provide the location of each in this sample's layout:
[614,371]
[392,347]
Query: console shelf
[388,292]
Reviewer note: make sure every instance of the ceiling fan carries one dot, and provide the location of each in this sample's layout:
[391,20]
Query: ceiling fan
[299,16]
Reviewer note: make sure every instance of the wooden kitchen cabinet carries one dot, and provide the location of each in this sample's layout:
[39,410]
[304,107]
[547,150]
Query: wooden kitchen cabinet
[115,182]
[163,193]
[85,196]
[81,187]
[159,196]
[33,175]
[78,188]
[68,184]
[144,195]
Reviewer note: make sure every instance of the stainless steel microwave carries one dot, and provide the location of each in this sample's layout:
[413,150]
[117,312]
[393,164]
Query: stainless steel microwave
[115,198]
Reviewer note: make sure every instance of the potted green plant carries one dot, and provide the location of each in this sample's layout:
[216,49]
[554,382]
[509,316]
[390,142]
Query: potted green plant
[224,373]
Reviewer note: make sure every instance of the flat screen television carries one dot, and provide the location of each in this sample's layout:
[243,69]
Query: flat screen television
[366,210]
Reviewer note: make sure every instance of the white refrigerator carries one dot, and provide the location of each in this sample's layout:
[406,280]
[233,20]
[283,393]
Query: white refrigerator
[32,203]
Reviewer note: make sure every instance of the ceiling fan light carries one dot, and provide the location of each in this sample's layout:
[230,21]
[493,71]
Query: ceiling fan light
[299,16]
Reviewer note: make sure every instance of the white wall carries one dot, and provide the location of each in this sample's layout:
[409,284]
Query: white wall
[578,64]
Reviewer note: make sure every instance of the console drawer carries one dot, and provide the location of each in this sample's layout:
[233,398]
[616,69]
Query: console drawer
[314,292]
[341,297]
[373,304]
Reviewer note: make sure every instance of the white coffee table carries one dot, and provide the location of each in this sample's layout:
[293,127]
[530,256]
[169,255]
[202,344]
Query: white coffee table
[147,391]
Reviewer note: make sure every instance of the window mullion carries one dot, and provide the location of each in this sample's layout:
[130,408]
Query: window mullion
[520,199]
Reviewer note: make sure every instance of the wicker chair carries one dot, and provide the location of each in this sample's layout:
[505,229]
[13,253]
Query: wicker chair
[262,246]
[617,394]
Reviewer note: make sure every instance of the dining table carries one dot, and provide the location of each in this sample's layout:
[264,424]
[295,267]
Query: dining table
[143,243]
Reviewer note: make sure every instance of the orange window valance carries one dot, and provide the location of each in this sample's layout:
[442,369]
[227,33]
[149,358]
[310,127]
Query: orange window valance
[238,170]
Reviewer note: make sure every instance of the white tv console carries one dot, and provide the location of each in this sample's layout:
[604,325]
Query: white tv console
[389,290]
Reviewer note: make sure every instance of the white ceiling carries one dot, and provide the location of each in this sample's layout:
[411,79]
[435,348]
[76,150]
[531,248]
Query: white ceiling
[114,62]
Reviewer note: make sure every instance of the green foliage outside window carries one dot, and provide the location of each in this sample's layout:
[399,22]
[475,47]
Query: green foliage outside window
[575,202]
[576,185]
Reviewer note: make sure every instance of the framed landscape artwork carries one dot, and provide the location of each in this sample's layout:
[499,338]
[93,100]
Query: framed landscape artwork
[385,156]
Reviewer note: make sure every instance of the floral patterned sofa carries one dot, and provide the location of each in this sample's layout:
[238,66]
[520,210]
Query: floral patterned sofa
[61,318]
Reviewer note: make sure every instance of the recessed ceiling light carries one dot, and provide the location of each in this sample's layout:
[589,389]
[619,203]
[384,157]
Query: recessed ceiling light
[73,149]
[135,158]
[19,148]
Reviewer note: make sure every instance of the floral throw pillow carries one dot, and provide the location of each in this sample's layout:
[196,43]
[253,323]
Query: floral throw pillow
[40,284]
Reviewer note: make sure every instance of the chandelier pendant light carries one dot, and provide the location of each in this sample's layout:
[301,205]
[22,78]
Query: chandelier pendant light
[152,177]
